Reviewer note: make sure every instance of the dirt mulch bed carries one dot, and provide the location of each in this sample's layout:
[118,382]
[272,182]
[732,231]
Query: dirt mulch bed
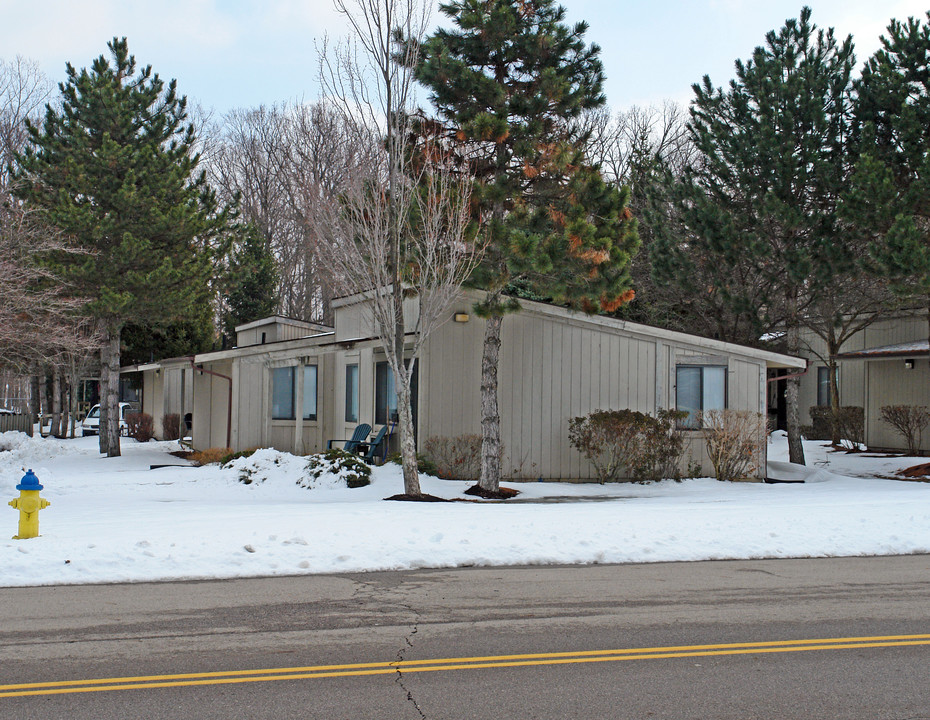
[417,498]
[505,493]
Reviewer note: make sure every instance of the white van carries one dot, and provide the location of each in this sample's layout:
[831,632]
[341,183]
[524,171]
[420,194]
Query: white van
[91,423]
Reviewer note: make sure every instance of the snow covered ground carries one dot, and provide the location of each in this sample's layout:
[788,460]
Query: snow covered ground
[115,519]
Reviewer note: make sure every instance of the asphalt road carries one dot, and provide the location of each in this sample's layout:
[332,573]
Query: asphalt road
[819,638]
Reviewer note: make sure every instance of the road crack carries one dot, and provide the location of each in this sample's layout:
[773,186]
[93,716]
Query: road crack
[401,655]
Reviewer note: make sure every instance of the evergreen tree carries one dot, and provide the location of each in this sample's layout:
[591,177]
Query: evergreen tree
[195,333]
[890,196]
[759,208]
[250,285]
[113,167]
[508,82]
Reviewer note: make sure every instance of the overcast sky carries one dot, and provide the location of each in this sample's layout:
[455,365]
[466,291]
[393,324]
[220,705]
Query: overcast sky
[241,53]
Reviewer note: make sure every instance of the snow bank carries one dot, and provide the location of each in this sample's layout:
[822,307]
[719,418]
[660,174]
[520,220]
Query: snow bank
[115,519]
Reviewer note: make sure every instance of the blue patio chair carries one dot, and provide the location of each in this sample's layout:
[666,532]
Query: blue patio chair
[351,445]
[368,451]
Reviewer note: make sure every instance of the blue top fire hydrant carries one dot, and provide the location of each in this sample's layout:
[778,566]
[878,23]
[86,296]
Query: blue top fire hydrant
[28,503]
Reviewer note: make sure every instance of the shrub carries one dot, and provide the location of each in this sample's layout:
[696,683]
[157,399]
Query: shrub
[821,427]
[236,455]
[909,421]
[141,426]
[663,444]
[735,439]
[455,458]
[648,447]
[608,438]
[339,462]
[171,426]
[424,464]
[221,455]
[850,423]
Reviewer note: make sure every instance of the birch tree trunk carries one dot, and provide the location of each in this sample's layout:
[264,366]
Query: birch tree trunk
[407,443]
[490,479]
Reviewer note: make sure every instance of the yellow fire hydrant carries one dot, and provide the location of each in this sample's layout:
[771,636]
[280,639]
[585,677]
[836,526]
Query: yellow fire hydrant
[28,503]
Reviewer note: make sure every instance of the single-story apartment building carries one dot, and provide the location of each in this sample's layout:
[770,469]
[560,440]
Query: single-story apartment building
[886,363]
[294,386]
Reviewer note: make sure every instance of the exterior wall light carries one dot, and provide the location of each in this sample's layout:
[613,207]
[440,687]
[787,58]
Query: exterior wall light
[909,364]
[460,317]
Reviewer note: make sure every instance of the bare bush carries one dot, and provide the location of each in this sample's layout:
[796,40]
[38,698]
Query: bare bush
[455,458]
[608,438]
[662,447]
[909,421]
[735,441]
[850,426]
[171,426]
[141,426]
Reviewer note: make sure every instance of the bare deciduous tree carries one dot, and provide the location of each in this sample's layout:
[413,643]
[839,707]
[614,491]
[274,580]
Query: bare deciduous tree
[630,143]
[852,302]
[397,228]
[276,161]
[39,331]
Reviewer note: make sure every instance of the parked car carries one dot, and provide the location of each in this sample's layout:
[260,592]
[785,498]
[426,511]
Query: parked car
[91,423]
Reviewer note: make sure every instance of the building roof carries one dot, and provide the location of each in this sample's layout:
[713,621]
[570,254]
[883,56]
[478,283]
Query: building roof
[280,319]
[917,347]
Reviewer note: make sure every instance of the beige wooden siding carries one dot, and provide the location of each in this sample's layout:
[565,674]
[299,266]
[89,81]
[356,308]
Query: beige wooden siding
[148,393]
[450,380]
[745,391]
[210,402]
[286,331]
[890,385]
[249,408]
[219,402]
[852,377]
[248,337]
[553,371]
[356,321]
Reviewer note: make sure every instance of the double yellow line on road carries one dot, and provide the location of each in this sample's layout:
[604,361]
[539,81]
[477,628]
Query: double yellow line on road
[444,664]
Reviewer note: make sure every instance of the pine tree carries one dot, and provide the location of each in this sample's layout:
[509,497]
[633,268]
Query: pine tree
[250,283]
[143,342]
[889,200]
[113,168]
[509,83]
[759,209]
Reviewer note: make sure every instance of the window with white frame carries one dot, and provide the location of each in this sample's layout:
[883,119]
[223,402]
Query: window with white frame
[699,388]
